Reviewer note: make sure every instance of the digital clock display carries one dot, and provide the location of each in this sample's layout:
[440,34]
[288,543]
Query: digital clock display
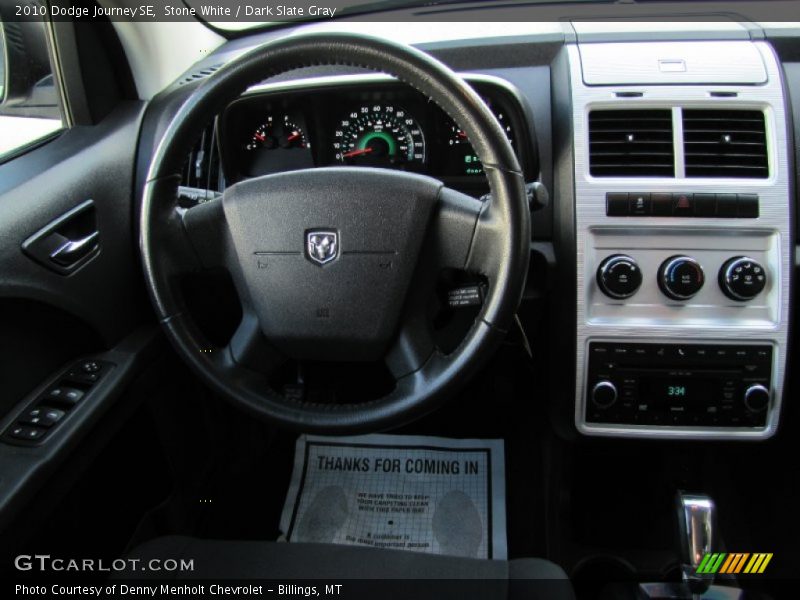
[672,391]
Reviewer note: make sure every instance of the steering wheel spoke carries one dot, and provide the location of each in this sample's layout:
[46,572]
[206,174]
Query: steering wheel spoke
[451,231]
[249,348]
[205,229]
[412,347]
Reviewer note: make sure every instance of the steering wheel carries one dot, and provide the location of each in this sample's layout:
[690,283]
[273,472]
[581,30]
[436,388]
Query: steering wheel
[335,264]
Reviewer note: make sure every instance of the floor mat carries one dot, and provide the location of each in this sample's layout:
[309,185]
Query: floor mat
[419,493]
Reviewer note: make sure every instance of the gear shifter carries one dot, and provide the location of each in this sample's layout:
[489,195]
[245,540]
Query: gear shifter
[697,530]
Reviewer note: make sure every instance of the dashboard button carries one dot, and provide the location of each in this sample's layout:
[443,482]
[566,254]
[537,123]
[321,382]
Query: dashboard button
[662,204]
[747,206]
[705,205]
[726,205]
[619,276]
[617,204]
[683,205]
[639,204]
[680,277]
[741,278]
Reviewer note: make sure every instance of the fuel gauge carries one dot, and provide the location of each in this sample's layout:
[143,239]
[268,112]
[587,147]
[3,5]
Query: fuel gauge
[277,133]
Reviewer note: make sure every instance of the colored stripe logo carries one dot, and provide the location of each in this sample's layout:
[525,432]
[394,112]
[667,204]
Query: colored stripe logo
[734,563]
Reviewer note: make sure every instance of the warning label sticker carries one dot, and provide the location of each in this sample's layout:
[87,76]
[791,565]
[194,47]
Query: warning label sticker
[424,494]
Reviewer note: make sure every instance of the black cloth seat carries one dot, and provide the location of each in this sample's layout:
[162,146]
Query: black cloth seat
[528,578]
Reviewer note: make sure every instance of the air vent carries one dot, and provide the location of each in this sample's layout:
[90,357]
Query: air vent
[202,170]
[199,74]
[725,143]
[631,143]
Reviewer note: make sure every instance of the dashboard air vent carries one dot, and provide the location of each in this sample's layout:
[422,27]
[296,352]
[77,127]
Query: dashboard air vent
[202,170]
[199,74]
[631,143]
[725,143]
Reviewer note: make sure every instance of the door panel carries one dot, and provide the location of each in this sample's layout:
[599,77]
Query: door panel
[59,316]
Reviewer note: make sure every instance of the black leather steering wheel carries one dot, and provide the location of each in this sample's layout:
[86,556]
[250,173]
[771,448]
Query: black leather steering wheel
[337,263]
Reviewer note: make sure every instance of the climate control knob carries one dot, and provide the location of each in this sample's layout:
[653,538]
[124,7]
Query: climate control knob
[604,394]
[742,278]
[619,276]
[680,277]
[756,398]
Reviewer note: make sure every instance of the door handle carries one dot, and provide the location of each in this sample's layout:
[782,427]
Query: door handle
[67,243]
[71,251]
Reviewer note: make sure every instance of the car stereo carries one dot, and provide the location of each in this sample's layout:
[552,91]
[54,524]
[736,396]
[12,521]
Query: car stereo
[678,384]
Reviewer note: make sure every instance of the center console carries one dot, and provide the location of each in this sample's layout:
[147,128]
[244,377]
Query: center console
[683,238]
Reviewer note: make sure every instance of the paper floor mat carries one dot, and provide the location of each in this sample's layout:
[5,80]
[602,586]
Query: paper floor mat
[419,493]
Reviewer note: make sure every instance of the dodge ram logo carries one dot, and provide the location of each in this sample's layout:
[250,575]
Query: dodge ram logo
[322,246]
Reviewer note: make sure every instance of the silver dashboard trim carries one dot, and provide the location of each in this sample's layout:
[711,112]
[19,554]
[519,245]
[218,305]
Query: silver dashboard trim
[364,78]
[774,220]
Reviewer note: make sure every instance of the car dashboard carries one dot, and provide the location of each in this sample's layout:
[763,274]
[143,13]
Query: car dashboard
[668,245]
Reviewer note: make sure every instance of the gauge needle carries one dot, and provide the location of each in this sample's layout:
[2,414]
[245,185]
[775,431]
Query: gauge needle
[294,136]
[261,137]
[357,152]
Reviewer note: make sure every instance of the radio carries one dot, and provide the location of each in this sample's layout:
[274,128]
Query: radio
[679,384]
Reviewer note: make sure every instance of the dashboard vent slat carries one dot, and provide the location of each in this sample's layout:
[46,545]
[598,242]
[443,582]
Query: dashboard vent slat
[199,74]
[725,143]
[631,143]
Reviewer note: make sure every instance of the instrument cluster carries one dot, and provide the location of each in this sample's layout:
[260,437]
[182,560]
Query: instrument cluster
[384,125]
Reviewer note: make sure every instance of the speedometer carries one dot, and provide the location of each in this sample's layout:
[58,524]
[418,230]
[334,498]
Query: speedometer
[379,135]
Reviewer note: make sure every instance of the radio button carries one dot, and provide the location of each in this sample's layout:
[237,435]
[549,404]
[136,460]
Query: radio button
[604,394]
[756,398]
[680,277]
[742,279]
[619,276]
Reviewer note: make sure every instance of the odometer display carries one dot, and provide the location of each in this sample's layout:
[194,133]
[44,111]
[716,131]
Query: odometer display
[379,136]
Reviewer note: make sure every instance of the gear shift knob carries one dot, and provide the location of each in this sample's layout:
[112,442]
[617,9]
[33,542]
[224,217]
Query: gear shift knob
[697,531]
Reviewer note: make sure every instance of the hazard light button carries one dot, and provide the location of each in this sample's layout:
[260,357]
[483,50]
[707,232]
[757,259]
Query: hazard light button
[683,205]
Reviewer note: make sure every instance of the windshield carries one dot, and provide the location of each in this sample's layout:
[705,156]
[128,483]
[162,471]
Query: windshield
[233,15]
[236,16]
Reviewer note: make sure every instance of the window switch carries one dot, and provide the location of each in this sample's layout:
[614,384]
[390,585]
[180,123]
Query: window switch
[26,432]
[66,396]
[51,416]
[32,417]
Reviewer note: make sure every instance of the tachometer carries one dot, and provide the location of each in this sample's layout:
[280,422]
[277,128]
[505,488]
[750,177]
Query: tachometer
[463,157]
[380,136]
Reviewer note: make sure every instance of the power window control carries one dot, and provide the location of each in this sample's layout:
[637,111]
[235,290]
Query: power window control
[66,396]
[26,432]
[42,416]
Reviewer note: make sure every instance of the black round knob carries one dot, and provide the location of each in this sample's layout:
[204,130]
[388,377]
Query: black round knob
[604,394]
[756,398]
[742,278]
[619,276]
[680,277]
